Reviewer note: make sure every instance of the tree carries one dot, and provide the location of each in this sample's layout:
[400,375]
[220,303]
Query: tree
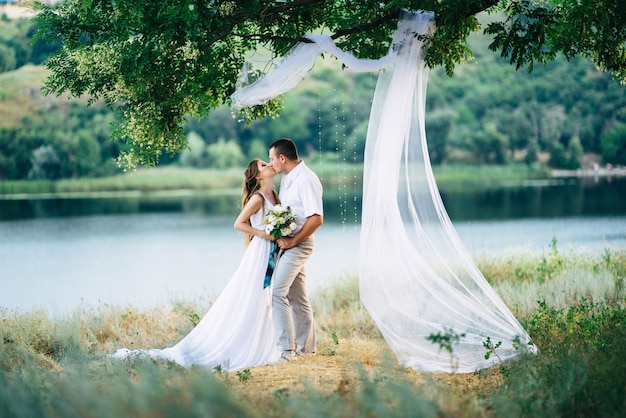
[490,146]
[7,59]
[195,155]
[531,153]
[45,163]
[558,156]
[438,126]
[224,154]
[613,145]
[575,154]
[160,61]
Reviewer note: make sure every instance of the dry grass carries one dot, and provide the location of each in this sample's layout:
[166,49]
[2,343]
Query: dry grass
[326,373]
[351,353]
[354,372]
[351,350]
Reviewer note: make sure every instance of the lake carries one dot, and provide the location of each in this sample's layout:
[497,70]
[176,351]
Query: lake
[146,250]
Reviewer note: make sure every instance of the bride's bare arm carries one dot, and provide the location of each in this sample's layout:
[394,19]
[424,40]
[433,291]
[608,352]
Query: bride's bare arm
[242,223]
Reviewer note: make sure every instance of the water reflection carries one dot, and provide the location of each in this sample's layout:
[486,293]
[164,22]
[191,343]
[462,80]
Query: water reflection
[546,199]
[118,205]
[573,197]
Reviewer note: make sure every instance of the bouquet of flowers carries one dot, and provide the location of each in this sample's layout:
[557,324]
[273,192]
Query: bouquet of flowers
[280,222]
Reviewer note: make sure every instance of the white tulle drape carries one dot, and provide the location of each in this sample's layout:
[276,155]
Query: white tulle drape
[433,306]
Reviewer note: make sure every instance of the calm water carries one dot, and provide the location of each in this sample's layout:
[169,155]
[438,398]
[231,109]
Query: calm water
[144,251]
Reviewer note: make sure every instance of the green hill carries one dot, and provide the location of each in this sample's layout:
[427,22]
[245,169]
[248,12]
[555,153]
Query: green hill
[20,95]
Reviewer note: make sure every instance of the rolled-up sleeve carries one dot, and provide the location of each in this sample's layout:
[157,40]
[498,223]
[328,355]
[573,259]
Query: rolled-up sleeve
[311,195]
[301,190]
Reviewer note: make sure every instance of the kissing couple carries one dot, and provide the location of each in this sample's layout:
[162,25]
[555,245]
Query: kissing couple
[252,323]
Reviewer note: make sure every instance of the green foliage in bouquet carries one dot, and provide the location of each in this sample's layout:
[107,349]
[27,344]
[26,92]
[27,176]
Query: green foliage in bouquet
[280,222]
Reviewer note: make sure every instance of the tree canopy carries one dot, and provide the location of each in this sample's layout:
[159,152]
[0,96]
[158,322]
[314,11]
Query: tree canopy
[159,62]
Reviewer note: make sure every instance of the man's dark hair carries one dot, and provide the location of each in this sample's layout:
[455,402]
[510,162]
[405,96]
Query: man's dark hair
[286,147]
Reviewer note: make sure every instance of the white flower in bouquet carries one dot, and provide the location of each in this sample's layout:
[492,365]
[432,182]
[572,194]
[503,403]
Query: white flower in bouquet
[280,222]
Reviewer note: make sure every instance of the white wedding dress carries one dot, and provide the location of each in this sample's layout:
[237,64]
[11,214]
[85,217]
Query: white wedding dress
[237,331]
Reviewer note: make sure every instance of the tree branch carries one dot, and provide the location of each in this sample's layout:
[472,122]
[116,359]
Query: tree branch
[480,6]
[391,16]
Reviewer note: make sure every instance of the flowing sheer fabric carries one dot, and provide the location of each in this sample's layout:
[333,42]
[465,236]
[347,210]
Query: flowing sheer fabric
[237,331]
[417,280]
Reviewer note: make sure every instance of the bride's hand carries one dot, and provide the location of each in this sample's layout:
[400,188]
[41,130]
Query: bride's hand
[269,237]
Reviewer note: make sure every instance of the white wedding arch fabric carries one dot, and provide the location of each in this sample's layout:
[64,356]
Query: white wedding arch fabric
[417,280]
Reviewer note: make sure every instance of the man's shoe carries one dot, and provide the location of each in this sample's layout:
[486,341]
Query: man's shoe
[288,356]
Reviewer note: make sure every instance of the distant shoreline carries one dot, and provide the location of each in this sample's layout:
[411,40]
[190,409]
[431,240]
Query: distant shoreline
[589,172]
[168,180]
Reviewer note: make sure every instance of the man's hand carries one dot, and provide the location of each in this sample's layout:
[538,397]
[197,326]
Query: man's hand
[310,225]
[286,243]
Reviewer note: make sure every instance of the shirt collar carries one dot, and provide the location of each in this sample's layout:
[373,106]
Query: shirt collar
[291,176]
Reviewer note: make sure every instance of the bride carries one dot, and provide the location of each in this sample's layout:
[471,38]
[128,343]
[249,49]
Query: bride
[237,331]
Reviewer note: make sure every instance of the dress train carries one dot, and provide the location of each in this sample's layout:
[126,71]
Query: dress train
[237,331]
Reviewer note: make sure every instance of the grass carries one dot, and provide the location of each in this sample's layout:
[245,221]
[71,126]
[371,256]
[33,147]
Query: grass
[171,178]
[458,177]
[559,279]
[167,179]
[572,305]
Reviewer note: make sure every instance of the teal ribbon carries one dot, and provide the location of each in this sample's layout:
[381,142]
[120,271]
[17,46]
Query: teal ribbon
[271,264]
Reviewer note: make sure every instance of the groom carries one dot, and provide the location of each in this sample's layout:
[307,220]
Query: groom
[300,189]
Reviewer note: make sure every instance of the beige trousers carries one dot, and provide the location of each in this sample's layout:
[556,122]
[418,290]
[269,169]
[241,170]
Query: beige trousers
[291,309]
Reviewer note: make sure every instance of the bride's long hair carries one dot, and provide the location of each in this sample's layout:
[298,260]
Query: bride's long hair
[250,183]
[251,186]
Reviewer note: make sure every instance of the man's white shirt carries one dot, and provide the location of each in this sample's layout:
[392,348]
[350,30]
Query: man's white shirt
[301,190]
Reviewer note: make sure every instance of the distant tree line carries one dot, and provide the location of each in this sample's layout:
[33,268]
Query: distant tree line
[17,47]
[488,113]
[67,139]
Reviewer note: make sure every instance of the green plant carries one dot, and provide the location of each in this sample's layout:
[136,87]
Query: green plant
[551,264]
[580,370]
[491,348]
[332,350]
[244,375]
[446,341]
[194,318]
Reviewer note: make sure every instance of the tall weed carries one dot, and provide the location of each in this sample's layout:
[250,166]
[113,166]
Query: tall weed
[560,279]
